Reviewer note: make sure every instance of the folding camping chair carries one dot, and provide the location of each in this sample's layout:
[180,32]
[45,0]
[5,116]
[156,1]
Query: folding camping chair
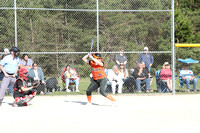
[72,85]
[182,85]
[161,86]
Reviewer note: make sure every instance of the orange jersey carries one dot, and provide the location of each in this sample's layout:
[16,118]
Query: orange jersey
[98,71]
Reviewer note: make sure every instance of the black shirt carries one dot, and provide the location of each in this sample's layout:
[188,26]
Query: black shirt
[145,73]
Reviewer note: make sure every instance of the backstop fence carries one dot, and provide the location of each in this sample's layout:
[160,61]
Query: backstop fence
[55,33]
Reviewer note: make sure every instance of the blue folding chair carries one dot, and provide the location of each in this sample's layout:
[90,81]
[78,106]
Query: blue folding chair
[161,86]
[182,85]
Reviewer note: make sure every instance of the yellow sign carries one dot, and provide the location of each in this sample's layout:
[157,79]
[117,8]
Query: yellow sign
[187,45]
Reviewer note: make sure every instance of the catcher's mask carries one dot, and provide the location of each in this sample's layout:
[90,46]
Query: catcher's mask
[15,50]
[23,73]
[97,56]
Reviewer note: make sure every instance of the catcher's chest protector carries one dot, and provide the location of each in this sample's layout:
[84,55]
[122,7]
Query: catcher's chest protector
[24,85]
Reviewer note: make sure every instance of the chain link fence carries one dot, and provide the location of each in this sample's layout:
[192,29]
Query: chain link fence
[55,33]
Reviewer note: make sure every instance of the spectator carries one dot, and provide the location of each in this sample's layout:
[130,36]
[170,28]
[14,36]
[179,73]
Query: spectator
[147,58]
[70,76]
[22,92]
[166,75]
[124,71]
[26,62]
[9,66]
[121,58]
[125,76]
[115,78]
[188,78]
[36,73]
[141,75]
[6,52]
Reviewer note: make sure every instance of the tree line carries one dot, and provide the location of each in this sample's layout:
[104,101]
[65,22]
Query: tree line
[71,31]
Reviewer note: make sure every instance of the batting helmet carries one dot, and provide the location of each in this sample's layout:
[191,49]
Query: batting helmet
[97,56]
[23,73]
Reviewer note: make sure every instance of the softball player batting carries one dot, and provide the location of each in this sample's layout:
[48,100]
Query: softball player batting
[99,78]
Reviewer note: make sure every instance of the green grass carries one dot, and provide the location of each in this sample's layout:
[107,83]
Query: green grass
[83,85]
[85,82]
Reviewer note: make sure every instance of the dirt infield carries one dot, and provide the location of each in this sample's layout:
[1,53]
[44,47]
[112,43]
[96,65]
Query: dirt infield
[133,114]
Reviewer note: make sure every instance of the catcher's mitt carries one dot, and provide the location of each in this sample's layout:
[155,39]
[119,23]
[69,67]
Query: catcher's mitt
[35,83]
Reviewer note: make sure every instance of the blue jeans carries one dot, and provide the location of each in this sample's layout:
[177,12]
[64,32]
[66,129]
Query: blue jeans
[11,89]
[146,82]
[67,81]
[188,82]
[149,68]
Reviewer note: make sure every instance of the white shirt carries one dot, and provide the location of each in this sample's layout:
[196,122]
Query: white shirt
[36,75]
[112,75]
[123,74]
[187,74]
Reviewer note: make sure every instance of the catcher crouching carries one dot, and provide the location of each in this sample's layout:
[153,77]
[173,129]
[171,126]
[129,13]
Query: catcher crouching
[22,93]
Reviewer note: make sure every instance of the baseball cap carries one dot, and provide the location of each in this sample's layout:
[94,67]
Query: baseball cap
[185,64]
[146,48]
[166,63]
[6,51]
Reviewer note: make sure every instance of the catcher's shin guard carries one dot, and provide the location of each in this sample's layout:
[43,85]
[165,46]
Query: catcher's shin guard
[31,96]
[28,98]
[19,101]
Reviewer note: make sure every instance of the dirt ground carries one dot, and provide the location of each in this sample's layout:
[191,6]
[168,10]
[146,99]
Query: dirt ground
[133,114]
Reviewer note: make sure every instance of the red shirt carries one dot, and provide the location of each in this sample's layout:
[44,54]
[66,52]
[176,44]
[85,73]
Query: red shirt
[165,74]
[98,71]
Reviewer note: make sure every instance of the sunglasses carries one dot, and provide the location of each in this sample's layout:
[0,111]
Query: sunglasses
[35,66]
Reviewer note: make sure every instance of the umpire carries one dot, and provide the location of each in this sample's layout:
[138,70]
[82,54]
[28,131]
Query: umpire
[9,66]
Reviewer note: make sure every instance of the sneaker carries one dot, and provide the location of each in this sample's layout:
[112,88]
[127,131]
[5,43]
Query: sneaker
[188,90]
[25,104]
[139,91]
[89,104]
[67,90]
[147,91]
[195,90]
[150,90]
[15,104]
[114,104]
[41,93]
[77,90]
